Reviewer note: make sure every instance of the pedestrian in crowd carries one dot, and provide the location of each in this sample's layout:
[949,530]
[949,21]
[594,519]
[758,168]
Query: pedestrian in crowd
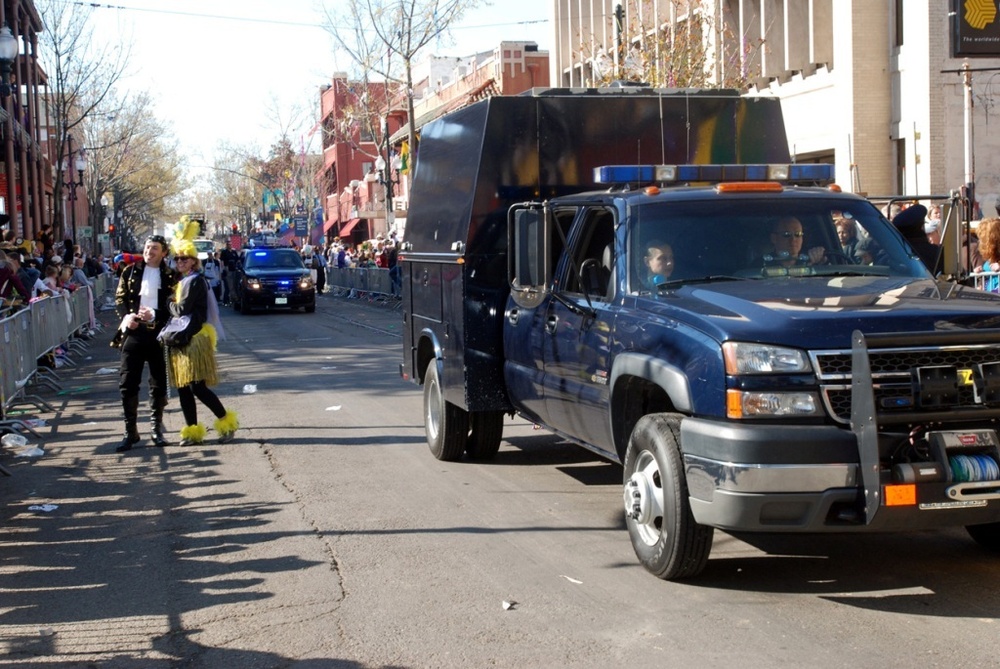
[395,271]
[319,264]
[342,258]
[30,277]
[10,283]
[230,262]
[212,269]
[191,337]
[141,301]
[932,226]
[51,280]
[78,276]
[46,238]
[989,250]
[910,223]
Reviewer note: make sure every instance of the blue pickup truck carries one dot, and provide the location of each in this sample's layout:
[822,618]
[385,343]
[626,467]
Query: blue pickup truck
[696,319]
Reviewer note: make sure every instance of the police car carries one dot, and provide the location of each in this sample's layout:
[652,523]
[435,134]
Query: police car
[273,278]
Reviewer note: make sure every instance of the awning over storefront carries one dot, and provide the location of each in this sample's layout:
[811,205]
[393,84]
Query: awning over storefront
[329,224]
[345,231]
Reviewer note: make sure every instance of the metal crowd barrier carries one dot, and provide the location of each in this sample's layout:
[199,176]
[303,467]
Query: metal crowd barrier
[52,326]
[988,281]
[372,283]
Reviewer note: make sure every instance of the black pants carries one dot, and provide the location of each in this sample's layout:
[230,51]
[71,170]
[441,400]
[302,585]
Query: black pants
[320,279]
[140,348]
[189,407]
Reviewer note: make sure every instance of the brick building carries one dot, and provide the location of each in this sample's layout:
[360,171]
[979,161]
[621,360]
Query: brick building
[356,193]
[25,158]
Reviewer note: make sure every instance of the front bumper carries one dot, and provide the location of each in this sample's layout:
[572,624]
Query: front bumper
[791,478]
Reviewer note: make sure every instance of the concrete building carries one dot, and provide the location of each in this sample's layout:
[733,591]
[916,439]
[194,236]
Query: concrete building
[870,85]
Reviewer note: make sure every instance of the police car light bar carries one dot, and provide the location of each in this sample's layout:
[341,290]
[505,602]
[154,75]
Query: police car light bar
[644,174]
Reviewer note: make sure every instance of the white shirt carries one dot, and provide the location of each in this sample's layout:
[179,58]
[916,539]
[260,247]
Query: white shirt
[149,288]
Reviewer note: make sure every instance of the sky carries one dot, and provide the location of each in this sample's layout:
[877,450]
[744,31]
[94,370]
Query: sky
[221,70]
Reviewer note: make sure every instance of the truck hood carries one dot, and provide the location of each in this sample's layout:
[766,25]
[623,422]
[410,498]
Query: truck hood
[822,312]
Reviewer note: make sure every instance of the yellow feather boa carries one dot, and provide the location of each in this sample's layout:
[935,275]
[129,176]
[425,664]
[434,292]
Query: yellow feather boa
[195,433]
[227,424]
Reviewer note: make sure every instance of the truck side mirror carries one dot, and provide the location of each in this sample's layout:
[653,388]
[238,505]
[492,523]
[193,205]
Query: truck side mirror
[528,241]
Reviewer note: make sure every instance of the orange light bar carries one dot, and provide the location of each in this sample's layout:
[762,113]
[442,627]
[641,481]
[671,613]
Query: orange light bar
[652,190]
[835,188]
[900,495]
[750,187]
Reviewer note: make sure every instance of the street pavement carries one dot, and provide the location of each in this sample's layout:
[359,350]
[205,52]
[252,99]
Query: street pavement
[101,552]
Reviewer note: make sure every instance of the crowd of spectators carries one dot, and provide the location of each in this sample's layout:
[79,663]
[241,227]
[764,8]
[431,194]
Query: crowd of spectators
[40,268]
[380,252]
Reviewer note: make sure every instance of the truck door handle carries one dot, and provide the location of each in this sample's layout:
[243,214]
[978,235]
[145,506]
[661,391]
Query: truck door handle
[512,316]
[550,324]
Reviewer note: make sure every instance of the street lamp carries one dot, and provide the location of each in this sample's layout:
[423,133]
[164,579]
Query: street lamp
[80,164]
[388,175]
[8,52]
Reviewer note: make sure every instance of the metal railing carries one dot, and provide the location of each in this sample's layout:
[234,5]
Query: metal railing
[369,283]
[49,329]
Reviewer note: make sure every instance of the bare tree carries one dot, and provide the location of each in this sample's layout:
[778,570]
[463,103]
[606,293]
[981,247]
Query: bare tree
[134,158]
[670,44]
[82,73]
[384,38]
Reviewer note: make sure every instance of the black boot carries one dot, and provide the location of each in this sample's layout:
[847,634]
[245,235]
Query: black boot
[156,422]
[130,406]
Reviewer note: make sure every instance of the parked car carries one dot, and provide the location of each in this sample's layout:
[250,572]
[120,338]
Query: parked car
[273,278]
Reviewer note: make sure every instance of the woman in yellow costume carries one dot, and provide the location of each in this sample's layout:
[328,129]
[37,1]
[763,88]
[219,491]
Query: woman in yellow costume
[191,337]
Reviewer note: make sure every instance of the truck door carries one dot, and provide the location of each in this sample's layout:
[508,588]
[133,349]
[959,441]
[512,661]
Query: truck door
[536,243]
[578,325]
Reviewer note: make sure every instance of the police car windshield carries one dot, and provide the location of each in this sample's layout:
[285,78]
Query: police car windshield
[761,238]
[273,259]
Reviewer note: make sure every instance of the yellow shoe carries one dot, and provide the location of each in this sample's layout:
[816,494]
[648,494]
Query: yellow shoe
[193,434]
[227,426]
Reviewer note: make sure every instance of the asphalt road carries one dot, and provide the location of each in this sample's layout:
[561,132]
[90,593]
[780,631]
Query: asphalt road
[327,536]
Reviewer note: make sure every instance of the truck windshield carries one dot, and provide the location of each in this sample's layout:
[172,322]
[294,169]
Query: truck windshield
[762,238]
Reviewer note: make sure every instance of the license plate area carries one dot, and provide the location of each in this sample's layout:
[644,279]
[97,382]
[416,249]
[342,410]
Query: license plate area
[281,300]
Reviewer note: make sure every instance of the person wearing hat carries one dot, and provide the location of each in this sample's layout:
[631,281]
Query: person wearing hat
[141,302]
[910,223]
[191,337]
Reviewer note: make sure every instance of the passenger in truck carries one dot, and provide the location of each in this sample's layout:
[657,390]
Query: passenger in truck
[787,238]
[659,263]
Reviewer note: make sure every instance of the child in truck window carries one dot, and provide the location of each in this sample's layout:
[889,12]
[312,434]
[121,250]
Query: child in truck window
[659,262]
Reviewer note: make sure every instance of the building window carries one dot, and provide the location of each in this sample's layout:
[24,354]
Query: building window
[898,15]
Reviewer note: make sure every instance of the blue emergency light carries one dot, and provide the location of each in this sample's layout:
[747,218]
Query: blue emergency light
[646,174]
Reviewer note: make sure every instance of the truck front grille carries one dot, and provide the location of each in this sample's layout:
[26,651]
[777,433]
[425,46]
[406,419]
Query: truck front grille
[891,375]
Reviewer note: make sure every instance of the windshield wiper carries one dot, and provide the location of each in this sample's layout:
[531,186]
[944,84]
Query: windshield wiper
[713,278]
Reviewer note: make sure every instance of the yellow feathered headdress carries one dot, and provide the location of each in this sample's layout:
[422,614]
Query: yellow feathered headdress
[185,232]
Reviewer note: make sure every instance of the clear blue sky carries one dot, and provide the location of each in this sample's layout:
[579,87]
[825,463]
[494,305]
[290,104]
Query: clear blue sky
[218,68]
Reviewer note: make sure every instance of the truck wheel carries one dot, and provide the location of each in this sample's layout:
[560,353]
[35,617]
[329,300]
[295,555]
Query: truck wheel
[487,433]
[446,425]
[987,536]
[665,537]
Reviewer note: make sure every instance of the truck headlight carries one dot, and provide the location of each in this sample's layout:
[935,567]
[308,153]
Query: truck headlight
[747,358]
[305,283]
[253,284]
[767,404]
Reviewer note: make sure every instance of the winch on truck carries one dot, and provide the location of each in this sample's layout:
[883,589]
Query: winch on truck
[645,274]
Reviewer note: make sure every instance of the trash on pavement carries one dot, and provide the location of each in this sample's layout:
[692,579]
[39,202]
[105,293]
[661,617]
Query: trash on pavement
[43,507]
[14,441]
[33,452]
[106,370]
[509,604]
[35,422]
[328,368]
[336,407]
[46,631]
[249,389]
[571,579]
[73,391]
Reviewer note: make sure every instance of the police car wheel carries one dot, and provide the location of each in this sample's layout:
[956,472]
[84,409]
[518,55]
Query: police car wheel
[665,537]
[446,425]
[486,435]
[987,536]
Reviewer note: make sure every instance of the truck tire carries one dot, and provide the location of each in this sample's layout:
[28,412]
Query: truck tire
[987,536]
[666,539]
[487,433]
[446,425]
